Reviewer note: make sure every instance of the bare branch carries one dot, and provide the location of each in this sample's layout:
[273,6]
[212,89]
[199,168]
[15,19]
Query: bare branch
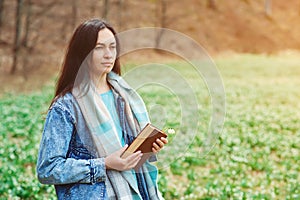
[17,42]
[1,12]
[27,23]
[45,9]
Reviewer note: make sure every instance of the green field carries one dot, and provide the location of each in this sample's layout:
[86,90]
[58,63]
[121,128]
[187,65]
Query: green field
[257,155]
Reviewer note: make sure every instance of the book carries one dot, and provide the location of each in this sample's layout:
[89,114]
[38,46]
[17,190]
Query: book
[144,143]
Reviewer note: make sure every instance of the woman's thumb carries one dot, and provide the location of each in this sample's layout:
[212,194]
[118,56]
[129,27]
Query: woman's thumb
[122,150]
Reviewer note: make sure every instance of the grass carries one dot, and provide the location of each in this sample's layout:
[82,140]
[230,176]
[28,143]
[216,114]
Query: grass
[256,156]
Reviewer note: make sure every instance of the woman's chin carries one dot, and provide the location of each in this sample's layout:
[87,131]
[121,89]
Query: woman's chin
[108,69]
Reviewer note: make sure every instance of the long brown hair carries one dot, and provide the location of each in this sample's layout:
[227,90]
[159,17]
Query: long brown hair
[81,44]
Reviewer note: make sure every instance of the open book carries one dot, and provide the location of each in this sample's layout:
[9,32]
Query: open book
[144,143]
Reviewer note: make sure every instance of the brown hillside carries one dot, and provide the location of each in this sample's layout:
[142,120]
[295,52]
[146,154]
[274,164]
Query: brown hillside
[234,25]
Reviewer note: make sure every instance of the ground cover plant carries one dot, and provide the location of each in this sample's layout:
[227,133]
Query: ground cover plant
[256,157]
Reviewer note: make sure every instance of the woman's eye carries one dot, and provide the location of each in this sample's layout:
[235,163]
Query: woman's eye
[99,47]
[112,47]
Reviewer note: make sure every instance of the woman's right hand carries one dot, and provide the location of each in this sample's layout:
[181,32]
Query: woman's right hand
[114,160]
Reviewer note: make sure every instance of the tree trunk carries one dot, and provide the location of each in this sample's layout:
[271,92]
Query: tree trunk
[24,45]
[74,13]
[1,15]
[212,4]
[64,23]
[120,9]
[1,12]
[105,9]
[27,23]
[92,7]
[268,7]
[17,42]
[163,17]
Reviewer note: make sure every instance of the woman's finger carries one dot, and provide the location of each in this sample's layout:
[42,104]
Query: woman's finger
[134,156]
[160,143]
[155,148]
[164,140]
[132,160]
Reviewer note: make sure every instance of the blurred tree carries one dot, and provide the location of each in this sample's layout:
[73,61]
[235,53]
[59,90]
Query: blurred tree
[1,13]
[105,9]
[74,13]
[247,1]
[17,41]
[26,49]
[24,42]
[268,7]
[70,18]
[120,11]
[27,23]
[66,21]
[92,9]
[45,8]
[212,4]
[162,15]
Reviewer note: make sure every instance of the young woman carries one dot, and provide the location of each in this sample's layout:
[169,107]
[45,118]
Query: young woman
[92,119]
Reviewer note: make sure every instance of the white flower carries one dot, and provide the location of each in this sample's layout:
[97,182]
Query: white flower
[171,131]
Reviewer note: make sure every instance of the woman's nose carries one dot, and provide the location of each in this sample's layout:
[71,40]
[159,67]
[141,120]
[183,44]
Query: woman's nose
[107,53]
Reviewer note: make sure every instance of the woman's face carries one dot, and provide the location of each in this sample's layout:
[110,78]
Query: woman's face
[104,53]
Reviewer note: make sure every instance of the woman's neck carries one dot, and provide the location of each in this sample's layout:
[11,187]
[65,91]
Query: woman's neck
[101,84]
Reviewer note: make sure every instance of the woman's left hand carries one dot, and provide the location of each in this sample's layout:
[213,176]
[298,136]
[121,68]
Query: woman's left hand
[159,144]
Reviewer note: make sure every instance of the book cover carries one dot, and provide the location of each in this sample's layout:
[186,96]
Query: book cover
[144,142]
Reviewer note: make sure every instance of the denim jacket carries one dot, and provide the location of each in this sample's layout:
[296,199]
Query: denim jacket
[63,159]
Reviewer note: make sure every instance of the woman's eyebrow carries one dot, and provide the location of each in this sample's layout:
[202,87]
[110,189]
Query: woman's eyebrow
[103,44]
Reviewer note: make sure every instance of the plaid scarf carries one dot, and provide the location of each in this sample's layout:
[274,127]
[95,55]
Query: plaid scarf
[133,117]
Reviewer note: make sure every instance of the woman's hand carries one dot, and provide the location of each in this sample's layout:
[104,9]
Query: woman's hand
[159,144]
[114,160]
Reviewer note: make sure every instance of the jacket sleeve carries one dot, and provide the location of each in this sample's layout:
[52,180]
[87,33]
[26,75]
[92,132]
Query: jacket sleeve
[53,166]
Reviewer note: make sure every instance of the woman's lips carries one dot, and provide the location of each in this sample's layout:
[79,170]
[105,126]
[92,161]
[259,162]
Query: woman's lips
[106,64]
